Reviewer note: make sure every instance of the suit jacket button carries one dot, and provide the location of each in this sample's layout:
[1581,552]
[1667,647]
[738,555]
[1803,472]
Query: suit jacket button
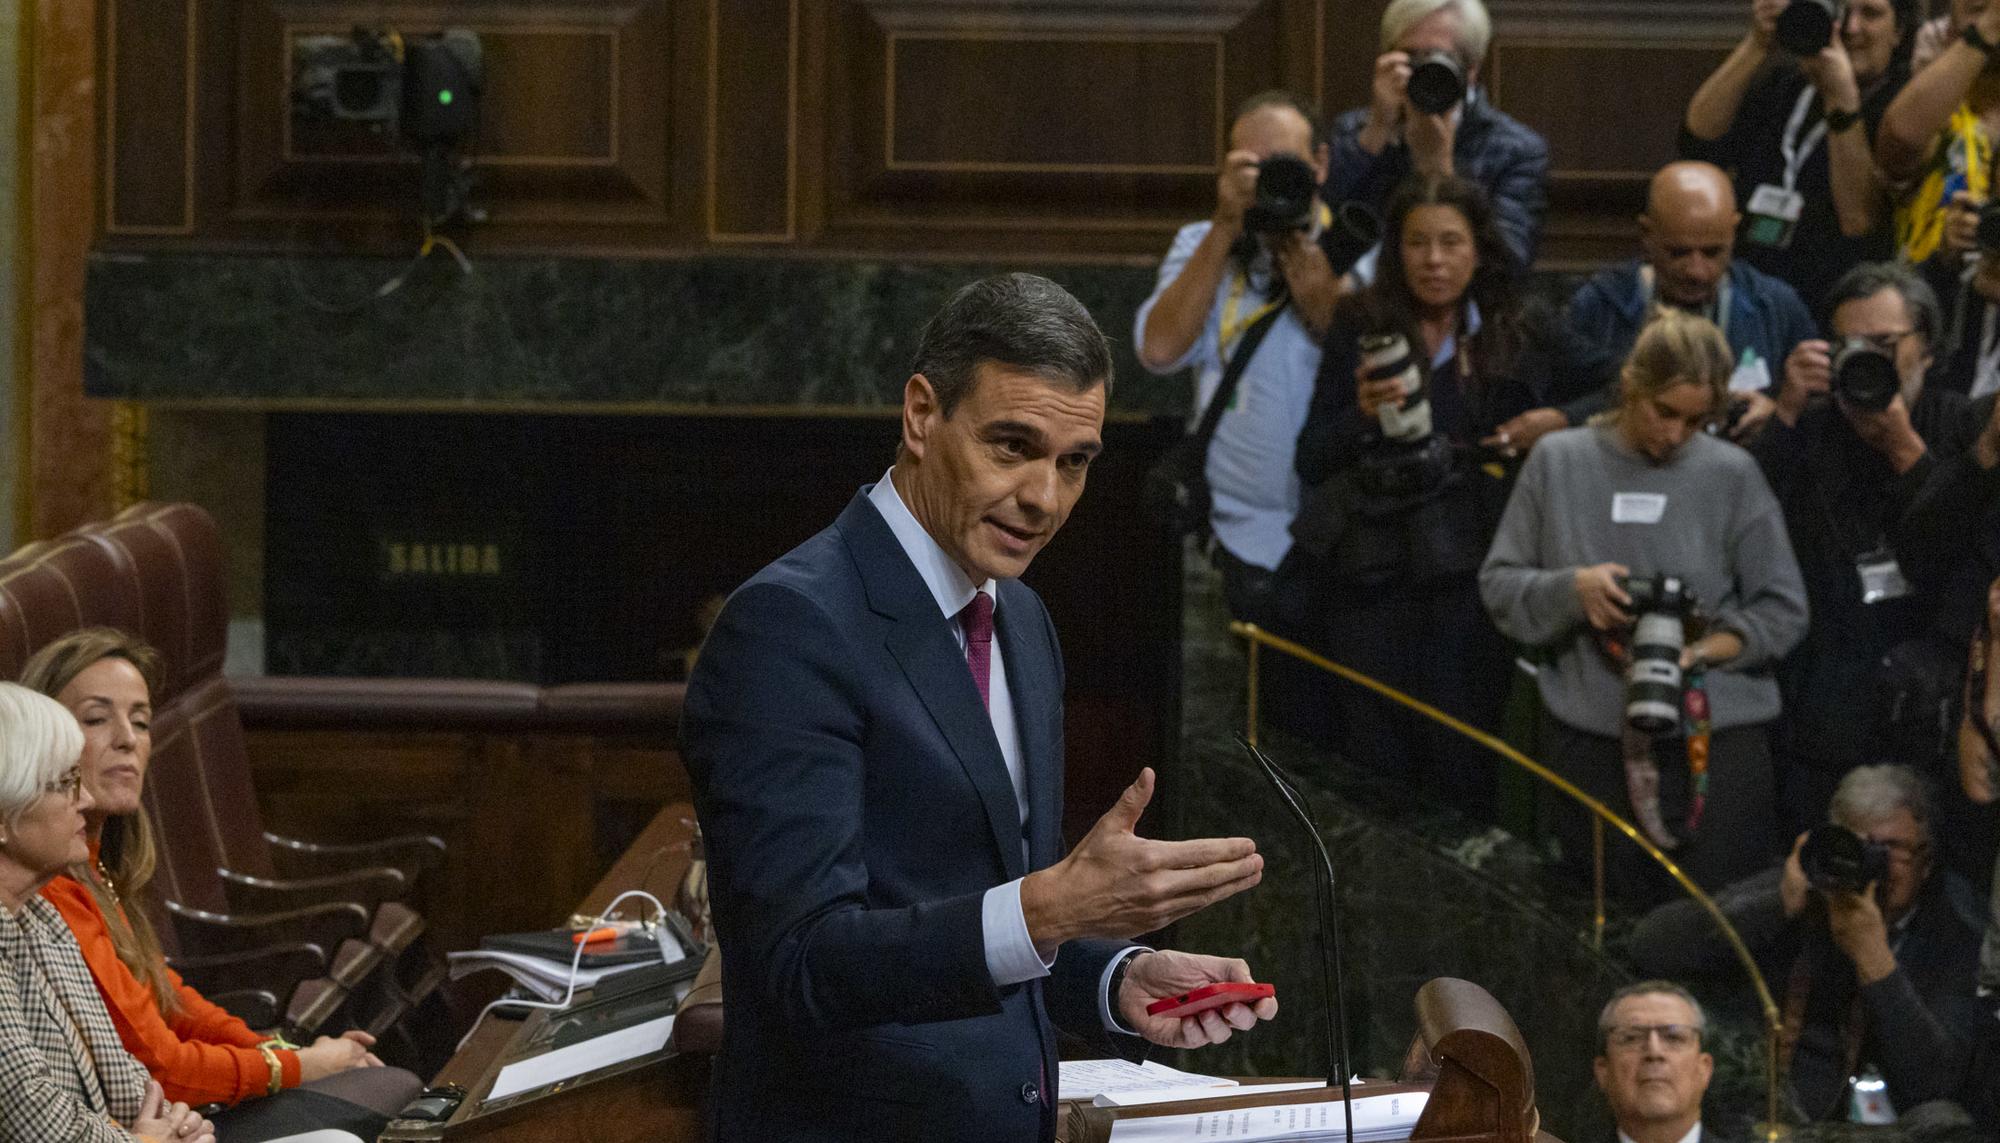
[1030,1095]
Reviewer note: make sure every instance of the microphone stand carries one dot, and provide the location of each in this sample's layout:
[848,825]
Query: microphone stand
[1334,1015]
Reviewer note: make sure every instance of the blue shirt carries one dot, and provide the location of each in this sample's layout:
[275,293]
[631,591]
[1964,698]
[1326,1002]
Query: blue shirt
[1250,477]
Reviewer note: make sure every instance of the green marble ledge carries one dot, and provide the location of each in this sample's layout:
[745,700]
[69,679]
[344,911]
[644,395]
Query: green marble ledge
[738,333]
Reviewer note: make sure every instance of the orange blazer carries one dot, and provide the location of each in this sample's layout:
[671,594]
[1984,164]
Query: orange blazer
[203,1054]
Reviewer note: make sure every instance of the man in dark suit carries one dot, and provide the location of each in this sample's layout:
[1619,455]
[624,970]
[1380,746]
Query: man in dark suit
[1651,1066]
[874,731]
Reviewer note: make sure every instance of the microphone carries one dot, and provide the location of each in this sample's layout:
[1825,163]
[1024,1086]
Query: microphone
[1334,1015]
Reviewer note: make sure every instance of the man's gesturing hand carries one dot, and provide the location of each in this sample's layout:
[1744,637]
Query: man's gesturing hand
[1118,884]
[1157,975]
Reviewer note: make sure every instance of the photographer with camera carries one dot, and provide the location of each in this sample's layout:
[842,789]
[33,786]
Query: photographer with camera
[1872,949]
[1649,561]
[1856,436]
[1797,132]
[1688,263]
[1427,116]
[1936,140]
[1244,298]
[1399,507]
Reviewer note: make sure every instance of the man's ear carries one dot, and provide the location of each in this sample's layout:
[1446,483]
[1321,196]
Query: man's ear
[1322,162]
[1707,1069]
[921,414]
[1599,1067]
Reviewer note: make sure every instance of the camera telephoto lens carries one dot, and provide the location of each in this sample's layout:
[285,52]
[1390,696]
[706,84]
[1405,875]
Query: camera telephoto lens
[1864,376]
[1805,27]
[1838,860]
[1437,82]
[1653,682]
[1286,189]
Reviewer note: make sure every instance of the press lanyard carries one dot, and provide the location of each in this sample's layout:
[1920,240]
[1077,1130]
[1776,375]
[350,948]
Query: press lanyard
[1717,310]
[1795,150]
[1232,326]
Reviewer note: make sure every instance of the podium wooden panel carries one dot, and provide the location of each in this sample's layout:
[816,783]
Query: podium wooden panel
[655,1100]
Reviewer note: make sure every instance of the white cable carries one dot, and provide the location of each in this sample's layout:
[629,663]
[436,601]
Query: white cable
[576,961]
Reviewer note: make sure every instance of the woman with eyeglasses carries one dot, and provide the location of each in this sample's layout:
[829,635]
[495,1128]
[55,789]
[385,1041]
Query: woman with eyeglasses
[198,1052]
[64,1074]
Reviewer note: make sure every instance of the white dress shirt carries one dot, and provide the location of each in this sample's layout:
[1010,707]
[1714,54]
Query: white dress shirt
[1693,1135]
[1011,956]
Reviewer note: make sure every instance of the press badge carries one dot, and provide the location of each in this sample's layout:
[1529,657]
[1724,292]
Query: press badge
[1638,507]
[1774,215]
[1752,375]
[1881,577]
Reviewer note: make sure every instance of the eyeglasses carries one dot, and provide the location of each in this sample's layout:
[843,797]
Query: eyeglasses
[1676,1037]
[70,783]
[1886,342]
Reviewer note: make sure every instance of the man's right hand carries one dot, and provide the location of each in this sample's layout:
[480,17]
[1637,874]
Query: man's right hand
[1387,101]
[1988,23]
[1604,602]
[1794,891]
[1117,884]
[1235,190]
[1519,434]
[1808,370]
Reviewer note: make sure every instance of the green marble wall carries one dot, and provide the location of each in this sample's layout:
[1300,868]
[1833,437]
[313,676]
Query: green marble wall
[736,332]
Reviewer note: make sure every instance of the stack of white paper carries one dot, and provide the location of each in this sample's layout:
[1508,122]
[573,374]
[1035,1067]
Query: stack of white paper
[1377,1119]
[567,1063]
[1087,1079]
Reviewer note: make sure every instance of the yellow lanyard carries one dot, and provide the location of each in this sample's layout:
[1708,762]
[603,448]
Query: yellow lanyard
[1232,326]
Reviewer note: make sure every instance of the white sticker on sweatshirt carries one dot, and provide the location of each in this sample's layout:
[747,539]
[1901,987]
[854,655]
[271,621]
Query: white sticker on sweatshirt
[1638,507]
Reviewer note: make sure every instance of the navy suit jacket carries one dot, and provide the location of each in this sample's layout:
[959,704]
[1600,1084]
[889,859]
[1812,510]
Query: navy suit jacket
[856,809]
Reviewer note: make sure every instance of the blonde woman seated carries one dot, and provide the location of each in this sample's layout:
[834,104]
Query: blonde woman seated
[198,1052]
[64,1077]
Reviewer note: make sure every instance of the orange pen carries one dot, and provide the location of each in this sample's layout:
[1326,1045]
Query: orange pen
[595,936]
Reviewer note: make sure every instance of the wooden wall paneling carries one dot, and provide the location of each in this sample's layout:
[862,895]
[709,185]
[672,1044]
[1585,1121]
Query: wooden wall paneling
[150,74]
[753,120]
[1353,40]
[1087,128]
[69,469]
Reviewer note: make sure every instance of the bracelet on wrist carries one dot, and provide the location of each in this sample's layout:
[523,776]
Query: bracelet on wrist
[277,1069]
[1838,120]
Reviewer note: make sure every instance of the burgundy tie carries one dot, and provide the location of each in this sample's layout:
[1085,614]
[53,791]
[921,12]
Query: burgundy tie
[977,619]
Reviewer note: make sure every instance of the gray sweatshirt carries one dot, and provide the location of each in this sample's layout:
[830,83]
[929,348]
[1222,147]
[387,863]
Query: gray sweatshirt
[1586,497]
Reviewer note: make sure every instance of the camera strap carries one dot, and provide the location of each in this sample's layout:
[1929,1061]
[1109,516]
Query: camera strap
[1234,325]
[1877,568]
[1642,770]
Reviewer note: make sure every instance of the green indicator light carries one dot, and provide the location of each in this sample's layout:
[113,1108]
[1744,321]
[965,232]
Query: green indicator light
[444,96]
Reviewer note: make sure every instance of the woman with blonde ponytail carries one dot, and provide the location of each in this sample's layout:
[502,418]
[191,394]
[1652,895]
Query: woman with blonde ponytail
[199,1053]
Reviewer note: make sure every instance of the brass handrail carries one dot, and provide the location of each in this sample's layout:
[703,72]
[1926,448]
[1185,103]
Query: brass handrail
[1773,1018]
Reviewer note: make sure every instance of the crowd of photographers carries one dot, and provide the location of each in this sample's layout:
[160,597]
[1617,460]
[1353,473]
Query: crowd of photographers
[1734,505]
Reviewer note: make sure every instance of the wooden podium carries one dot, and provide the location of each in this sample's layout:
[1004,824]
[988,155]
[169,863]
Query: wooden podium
[1467,1055]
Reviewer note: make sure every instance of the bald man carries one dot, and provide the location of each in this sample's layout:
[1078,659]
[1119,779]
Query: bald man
[1688,239]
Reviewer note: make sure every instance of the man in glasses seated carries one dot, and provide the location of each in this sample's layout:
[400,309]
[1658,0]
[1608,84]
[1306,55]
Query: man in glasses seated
[1651,1066]
[1875,981]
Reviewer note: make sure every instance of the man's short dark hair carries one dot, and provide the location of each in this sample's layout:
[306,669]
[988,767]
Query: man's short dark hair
[1022,321]
[1279,97]
[1647,988]
[1871,278]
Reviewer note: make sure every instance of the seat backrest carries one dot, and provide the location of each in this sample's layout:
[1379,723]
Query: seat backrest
[190,844]
[51,588]
[175,553]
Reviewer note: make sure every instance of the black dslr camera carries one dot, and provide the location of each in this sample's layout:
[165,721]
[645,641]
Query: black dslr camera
[1662,605]
[1286,196]
[1437,82]
[1805,27]
[1838,860]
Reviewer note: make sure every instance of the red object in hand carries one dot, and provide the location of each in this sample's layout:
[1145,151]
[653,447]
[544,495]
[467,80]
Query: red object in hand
[1210,996]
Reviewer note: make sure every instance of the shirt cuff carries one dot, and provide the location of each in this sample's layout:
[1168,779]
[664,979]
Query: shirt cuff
[1011,957]
[1104,1013]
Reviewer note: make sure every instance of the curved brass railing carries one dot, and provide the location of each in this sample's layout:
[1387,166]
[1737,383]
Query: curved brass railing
[1602,814]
